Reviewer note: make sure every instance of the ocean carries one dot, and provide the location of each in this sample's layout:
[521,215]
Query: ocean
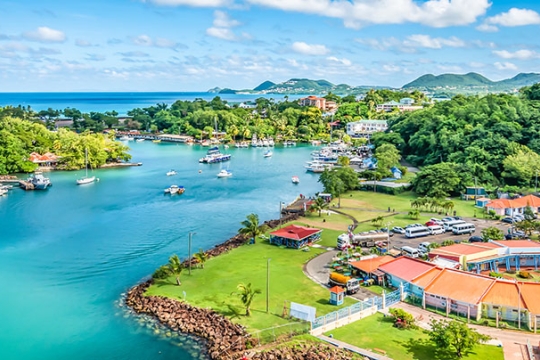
[120,102]
[68,254]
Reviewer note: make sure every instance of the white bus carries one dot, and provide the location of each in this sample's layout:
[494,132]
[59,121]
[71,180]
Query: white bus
[449,224]
[436,229]
[465,228]
[410,252]
[417,231]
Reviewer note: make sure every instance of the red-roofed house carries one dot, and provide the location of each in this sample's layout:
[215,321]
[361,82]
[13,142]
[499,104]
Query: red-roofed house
[47,159]
[515,206]
[294,236]
[404,269]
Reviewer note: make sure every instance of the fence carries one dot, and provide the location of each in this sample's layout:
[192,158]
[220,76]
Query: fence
[289,330]
[530,350]
[345,312]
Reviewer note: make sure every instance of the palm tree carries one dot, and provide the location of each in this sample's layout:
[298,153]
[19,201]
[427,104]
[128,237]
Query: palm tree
[318,205]
[414,214]
[252,227]
[377,221]
[247,294]
[201,257]
[174,267]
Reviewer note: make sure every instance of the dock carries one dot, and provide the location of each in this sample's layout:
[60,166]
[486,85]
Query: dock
[298,206]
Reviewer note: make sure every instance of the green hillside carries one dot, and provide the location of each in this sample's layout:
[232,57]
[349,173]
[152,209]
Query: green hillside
[264,86]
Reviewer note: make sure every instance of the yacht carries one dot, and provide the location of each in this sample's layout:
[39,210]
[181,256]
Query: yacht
[175,189]
[268,154]
[224,173]
[39,181]
[213,155]
[3,192]
[317,166]
[86,179]
[254,142]
[171,173]
[265,143]
[295,179]
[125,138]
[139,140]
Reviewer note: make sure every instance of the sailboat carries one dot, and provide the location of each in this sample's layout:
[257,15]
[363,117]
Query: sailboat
[86,179]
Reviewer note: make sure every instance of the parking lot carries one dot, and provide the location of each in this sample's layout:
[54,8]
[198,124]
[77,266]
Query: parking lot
[399,240]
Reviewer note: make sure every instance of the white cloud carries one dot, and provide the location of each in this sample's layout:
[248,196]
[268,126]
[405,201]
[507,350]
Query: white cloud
[82,43]
[45,34]
[523,54]
[145,40]
[335,60]
[427,41]
[308,49]
[505,66]
[222,20]
[221,33]
[511,18]
[194,3]
[357,13]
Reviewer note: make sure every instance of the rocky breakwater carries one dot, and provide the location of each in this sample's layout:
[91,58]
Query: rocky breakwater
[223,338]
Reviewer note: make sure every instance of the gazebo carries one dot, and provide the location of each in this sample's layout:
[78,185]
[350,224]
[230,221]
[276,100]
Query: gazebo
[294,236]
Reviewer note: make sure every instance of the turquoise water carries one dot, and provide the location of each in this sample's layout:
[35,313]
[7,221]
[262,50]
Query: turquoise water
[68,253]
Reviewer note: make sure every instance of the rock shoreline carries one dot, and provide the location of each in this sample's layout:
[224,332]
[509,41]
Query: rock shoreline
[224,340]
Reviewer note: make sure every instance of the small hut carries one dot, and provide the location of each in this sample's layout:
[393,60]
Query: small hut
[337,295]
[294,236]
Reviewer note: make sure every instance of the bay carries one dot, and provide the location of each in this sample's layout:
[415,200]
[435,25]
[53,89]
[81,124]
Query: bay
[121,102]
[68,253]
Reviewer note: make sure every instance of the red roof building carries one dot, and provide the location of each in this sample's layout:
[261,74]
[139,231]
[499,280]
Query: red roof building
[295,236]
[513,207]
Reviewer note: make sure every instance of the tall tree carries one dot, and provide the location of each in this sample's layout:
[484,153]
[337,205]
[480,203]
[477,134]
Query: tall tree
[455,336]
[319,204]
[251,227]
[173,268]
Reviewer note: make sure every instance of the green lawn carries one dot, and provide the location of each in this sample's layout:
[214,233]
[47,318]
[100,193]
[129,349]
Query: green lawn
[213,286]
[377,332]
[379,289]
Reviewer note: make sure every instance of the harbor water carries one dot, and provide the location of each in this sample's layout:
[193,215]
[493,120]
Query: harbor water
[68,253]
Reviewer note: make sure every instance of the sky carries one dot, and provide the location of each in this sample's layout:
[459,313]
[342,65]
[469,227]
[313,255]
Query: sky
[195,45]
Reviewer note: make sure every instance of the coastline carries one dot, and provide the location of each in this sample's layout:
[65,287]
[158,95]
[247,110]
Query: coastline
[224,339]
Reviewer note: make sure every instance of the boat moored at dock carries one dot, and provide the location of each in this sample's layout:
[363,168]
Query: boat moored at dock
[36,182]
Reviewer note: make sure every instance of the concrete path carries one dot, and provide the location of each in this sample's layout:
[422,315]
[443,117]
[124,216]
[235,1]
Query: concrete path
[513,342]
[363,352]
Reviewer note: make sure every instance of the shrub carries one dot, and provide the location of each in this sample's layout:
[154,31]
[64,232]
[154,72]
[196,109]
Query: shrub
[524,275]
[402,319]
[495,275]
[511,272]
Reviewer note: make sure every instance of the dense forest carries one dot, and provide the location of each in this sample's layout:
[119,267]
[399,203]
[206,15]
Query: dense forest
[19,138]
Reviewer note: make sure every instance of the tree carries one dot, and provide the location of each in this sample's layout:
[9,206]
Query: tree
[173,268]
[387,155]
[455,336]
[251,226]
[439,181]
[201,257]
[492,233]
[343,161]
[402,319]
[377,222]
[246,294]
[318,205]
[414,214]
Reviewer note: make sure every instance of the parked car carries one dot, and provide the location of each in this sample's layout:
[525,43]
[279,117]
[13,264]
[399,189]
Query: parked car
[398,230]
[447,219]
[507,220]
[475,238]
[434,219]
[424,247]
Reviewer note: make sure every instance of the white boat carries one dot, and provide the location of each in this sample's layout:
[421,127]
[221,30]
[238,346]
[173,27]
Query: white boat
[86,179]
[225,146]
[271,142]
[265,143]
[224,173]
[268,154]
[175,189]
[317,166]
[39,181]
[171,173]
[6,187]
[3,192]
[295,180]
[125,138]
[139,140]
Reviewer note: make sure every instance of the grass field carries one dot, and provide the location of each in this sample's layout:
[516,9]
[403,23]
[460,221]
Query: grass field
[377,332]
[213,286]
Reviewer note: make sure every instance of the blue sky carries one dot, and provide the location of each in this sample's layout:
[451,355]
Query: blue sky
[194,45]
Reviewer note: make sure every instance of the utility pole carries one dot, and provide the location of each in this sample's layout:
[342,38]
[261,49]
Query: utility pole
[267,283]
[536,181]
[189,251]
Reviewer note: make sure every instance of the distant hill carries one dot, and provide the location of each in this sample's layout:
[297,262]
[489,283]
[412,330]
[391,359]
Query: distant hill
[471,82]
[264,86]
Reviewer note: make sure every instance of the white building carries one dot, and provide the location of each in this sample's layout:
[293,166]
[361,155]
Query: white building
[364,128]
[404,104]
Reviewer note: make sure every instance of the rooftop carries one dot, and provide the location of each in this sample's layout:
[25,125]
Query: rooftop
[406,268]
[460,286]
[426,278]
[370,265]
[529,200]
[337,290]
[518,243]
[504,293]
[295,232]
[461,249]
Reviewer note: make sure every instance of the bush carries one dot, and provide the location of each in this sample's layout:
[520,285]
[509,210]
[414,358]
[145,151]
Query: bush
[524,275]
[402,319]
[496,275]
[511,272]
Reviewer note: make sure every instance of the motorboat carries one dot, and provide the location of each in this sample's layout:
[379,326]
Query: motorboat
[271,142]
[254,142]
[265,143]
[125,138]
[157,141]
[213,155]
[39,181]
[268,154]
[86,180]
[289,143]
[171,173]
[224,173]
[225,146]
[175,189]
[295,180]
[139,140]
[317,166]
[3,192]
[205,143]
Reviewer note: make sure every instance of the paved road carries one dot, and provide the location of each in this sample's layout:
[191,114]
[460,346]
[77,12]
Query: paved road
[317,270]
[513,342]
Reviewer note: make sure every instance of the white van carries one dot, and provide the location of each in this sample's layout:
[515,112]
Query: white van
[417,231]
[466,228]
[410,252]
[436,230]
[449,224]
[424,247]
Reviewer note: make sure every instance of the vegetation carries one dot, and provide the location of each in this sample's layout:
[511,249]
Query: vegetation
[173,268]
[201,257]
[318,205]
[492,233]
[246,294]
[402,319]
[378,332]
[251,227]
[19,138]
[455,336]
